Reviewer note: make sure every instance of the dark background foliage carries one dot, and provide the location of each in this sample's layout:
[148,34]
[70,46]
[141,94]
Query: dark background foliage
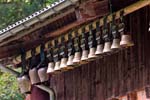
[14,10]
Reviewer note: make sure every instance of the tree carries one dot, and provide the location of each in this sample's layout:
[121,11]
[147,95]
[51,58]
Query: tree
[9,87]
[14,10]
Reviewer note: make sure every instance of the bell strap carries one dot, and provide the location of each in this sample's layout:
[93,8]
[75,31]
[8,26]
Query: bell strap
[99,38]
[70,45]
[105,34]
[84,40]
[42,54]
[77,43]
[43,60]
[33,61]
[50,53]
[63,48]
[92,37]
[121,26]
[56,51]
[114,27]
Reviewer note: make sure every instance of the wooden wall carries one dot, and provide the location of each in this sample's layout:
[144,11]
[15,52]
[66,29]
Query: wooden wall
[113,75]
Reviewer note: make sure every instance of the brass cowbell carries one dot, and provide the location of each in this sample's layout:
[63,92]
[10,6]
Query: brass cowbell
[23,80]
[50,68]
[106,36]
[64,55]
[77,55]
[100,42]
[92,44]
[84,46]
[33,72]
[43,65]
[71,51]
[126,40]
[57,57]
[116,35]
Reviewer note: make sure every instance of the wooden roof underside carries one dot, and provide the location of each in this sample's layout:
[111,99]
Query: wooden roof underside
[50,28]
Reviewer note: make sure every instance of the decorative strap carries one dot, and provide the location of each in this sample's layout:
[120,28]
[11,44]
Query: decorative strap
[122,16]
[33,61]
[97,26]
[42,53]
[105,33]
[77,43]
[50,53]
[121,26]
[114,28]
[63,49]
[56,51]
[70,45]
[84,40]
[43,60]
[99,38]
[92,37]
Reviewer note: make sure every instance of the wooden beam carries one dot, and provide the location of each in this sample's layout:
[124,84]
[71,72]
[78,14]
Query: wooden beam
[132,8]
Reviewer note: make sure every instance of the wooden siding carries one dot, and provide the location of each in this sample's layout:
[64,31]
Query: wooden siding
[113,75]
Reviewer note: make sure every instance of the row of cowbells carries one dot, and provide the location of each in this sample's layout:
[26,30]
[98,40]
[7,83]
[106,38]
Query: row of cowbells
[81,58]
[126,41]
[36,77]
[37,73]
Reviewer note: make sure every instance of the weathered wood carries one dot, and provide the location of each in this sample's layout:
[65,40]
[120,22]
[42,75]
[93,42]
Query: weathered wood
[98,80]
[93,8]
[38,94]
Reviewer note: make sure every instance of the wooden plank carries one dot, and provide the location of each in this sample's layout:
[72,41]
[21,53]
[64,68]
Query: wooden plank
[85,82]
[60,87]
[69,85]
[98,81]
[115,76]
[77,84]
[92,72]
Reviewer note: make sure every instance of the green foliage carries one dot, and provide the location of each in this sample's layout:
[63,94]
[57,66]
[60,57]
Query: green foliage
[9,87]
[18,9]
